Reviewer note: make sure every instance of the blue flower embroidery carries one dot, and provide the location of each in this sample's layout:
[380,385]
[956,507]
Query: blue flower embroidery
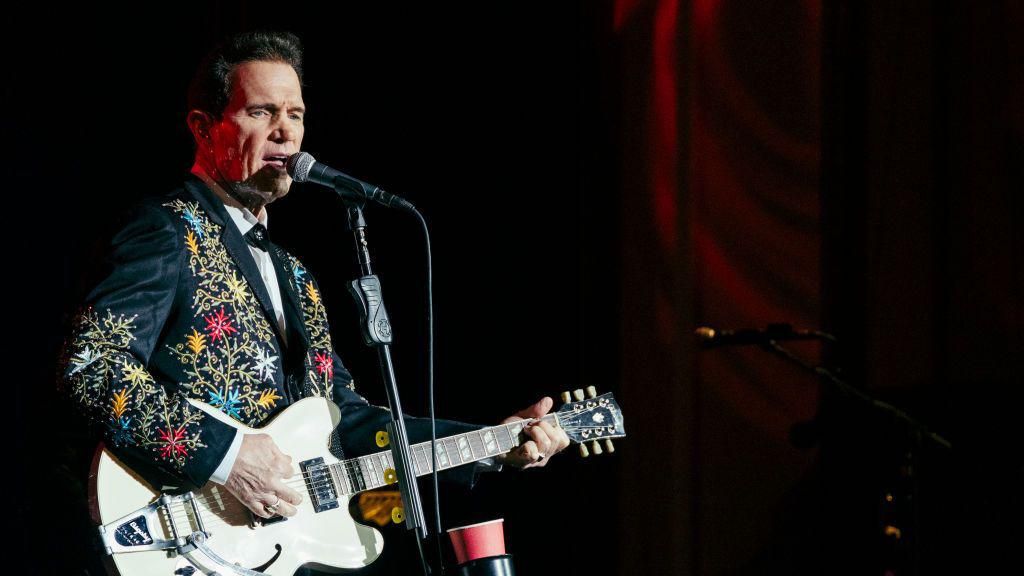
[228,405]
[120,430]
[194,220]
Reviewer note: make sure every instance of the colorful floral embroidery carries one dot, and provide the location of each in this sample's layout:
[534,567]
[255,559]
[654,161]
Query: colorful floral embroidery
[325,364]
[319,358]
[190,241]
[120,403]
[196,342]
[268,398]
[219,324]
[190,214]
[265,364]
[228,355]
[228,403]
[174,445]
[120,431]
[230,351]
[312,293]
[105,377]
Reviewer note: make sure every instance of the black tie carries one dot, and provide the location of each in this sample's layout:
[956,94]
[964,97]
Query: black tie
[257,236]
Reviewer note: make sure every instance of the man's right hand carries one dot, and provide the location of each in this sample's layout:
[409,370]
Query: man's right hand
[258,475]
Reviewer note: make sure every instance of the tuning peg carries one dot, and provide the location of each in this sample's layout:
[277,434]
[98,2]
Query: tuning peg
[608,446]
[397,515]
[566,397]
[591,392]
[578,394]
[595,446]
[583,450]
[382,439]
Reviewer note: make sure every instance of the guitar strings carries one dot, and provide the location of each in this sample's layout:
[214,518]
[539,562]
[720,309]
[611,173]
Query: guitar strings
[353,470]
[424,449]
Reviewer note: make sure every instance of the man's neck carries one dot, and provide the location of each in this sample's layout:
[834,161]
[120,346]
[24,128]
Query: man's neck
[225,191]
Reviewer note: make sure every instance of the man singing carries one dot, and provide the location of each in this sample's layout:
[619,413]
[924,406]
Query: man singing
[199,302]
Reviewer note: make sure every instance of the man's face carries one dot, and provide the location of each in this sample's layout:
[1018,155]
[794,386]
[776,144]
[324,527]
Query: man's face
[258,130]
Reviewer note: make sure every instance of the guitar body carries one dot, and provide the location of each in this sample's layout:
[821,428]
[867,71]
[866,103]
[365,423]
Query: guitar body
[329,540]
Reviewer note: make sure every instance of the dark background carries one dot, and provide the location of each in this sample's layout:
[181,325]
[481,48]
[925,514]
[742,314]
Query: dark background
[600,178]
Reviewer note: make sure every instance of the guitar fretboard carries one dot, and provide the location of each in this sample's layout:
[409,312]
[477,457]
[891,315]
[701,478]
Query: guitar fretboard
[368,472]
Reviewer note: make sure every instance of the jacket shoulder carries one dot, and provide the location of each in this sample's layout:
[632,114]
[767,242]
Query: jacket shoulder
[177,210]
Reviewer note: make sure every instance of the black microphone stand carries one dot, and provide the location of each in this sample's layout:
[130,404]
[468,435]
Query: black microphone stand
[918,428]
[376,330]
[908,481]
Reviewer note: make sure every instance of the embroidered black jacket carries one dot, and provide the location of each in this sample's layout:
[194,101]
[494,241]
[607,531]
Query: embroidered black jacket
[182,312]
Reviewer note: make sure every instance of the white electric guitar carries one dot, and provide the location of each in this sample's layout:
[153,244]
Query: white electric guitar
[208,531]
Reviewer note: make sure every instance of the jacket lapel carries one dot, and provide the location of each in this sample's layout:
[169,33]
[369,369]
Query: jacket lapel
[237,247]
[290,299]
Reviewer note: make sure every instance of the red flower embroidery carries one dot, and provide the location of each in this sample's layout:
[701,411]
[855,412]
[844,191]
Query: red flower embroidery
[324,363]
[173,446]
[219,324]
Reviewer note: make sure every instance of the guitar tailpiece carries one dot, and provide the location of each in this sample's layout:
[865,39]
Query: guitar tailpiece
[134,532]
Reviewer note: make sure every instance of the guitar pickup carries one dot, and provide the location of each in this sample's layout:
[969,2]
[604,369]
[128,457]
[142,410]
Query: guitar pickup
[323,493]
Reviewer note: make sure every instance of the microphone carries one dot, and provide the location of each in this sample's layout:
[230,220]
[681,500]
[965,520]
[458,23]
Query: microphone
[711,338]
[302,167]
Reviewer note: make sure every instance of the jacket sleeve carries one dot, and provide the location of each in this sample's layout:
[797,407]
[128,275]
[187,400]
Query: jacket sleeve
[105,364]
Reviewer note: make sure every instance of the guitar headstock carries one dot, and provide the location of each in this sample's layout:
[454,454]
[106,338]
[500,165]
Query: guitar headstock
[591,419]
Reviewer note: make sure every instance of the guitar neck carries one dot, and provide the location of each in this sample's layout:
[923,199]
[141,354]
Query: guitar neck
[368,472]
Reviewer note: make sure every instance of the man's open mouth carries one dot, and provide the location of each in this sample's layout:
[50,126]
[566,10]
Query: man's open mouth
[277,160]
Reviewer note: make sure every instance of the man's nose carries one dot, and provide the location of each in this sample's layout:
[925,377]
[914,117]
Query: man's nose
[285,131]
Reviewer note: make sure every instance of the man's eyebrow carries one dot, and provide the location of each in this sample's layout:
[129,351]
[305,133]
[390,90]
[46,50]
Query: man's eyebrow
[274,108]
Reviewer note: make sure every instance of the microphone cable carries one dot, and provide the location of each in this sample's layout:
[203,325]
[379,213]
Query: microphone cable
[430,389]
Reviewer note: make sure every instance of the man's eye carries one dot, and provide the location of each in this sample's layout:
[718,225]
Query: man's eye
[297,117]
[258,113]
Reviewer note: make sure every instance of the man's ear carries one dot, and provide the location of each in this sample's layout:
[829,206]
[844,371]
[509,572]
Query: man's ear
[200,122]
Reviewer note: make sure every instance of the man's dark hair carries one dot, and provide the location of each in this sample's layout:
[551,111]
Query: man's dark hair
[211,86]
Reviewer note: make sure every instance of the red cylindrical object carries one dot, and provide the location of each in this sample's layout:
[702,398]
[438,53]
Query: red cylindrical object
[478,540]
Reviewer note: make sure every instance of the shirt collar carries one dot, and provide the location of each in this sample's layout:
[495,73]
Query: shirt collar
[241,215]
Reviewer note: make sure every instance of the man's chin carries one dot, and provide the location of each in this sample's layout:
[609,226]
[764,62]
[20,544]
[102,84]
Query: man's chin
[267,187]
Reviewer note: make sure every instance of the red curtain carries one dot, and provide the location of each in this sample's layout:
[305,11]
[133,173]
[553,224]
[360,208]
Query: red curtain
[720,226]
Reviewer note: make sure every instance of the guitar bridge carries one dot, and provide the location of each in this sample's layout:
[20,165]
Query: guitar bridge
[135,532]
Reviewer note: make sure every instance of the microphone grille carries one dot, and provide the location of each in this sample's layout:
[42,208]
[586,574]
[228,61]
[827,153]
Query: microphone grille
[299,165]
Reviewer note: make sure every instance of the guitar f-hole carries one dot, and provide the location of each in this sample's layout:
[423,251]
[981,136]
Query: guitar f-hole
[273,559]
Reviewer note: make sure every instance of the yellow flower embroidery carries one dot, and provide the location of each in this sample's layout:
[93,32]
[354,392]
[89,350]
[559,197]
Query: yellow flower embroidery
[268,398]
[313,295]
[135,373]
[190,241]
[196,341]
[120,403]
[236,286]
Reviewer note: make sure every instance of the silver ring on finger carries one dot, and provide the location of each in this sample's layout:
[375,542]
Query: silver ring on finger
[272,508]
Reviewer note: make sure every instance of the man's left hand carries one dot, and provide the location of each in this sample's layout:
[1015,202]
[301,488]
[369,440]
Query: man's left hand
[545,440]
